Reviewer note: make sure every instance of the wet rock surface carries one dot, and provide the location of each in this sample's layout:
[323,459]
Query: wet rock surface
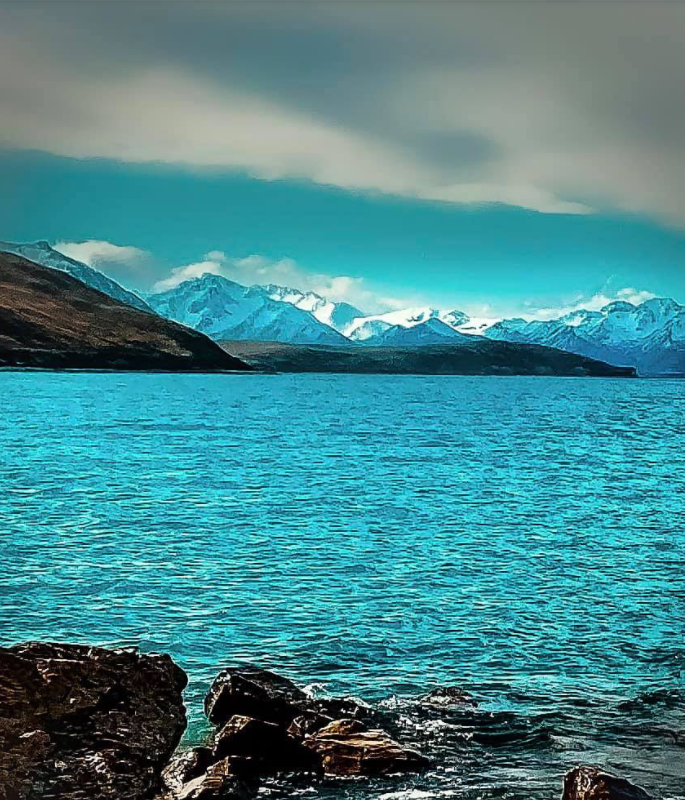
[84,722]
[266,725]
[592,783]
[445,697]
[260,694]
[81,723]
[346,748]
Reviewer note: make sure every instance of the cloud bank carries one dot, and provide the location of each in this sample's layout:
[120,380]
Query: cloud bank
[566,108]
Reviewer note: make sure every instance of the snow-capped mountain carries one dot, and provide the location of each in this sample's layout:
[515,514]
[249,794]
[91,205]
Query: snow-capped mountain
[223,309]
[335,315]
[41,253]
[431,331]
[649,336]
[365,328]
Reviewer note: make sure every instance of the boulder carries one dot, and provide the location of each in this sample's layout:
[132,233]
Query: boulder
[447,697]
[346,748]
[592,783]
[217,783]
[260,694]
[308,723]
[185,767]
[256,693]
[85,722]
[262,748]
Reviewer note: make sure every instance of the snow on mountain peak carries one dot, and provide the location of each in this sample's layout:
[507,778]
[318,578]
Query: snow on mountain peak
[223,309]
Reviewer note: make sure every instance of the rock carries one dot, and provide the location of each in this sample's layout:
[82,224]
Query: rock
[306,724]
[256,693]
[186,766]
[269,748]
[217,783]
[85,722]
[346,749]
[343,727]
[260,694]
[591,783]
[445,697]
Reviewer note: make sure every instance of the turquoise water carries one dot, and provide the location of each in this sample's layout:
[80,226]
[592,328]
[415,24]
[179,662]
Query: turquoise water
[378,535]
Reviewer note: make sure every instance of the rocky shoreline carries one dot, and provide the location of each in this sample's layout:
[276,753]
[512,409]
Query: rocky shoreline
[87,723]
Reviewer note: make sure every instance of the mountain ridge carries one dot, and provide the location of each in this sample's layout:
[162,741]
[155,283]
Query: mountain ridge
[224,309]
[42,253]
[51,320]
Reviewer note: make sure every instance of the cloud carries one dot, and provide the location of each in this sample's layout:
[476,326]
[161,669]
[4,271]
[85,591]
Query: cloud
[94,252]
[594,302]
[260,270]
[562,108]
[186,273]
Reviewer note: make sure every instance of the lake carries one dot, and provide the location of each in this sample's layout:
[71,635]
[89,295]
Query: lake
[375,536]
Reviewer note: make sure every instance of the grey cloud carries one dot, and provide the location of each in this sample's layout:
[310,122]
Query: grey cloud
[554,106]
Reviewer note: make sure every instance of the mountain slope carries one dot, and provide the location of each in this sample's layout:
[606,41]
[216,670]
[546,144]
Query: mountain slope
[50,319]
[475,357]
[432,331]
[366,328]
[337,315]
[650,337]
[42,253]
[223,309]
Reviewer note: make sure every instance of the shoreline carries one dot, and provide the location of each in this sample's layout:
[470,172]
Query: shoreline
[82,718]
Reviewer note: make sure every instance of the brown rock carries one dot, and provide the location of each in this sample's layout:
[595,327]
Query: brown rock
[260,694]
[253,692]
[342,727]
[186,766]
[347,750]
[84,722]
[591,783]
[261,748]
[217,783]
[308,723]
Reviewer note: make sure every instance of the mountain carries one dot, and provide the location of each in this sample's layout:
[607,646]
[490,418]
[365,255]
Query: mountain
[50,319]
[649,336]
[368,327]
[335,315]
[42,253]
[432,331]
[223,309]
[476,356]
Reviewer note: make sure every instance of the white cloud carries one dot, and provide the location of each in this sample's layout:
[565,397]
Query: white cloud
[196,270]
[258,269]
[173,115]
[594,302]
[95,251]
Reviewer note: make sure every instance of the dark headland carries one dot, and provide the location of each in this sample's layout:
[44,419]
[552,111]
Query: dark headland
[53,321]
[476,357]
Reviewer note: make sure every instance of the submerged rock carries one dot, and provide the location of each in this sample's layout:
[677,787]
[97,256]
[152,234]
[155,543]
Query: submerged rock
[591,783]
[445,697]
[85,722]
[346,748]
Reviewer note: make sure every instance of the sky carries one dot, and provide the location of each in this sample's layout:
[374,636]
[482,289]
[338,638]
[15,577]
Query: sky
[502,158]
